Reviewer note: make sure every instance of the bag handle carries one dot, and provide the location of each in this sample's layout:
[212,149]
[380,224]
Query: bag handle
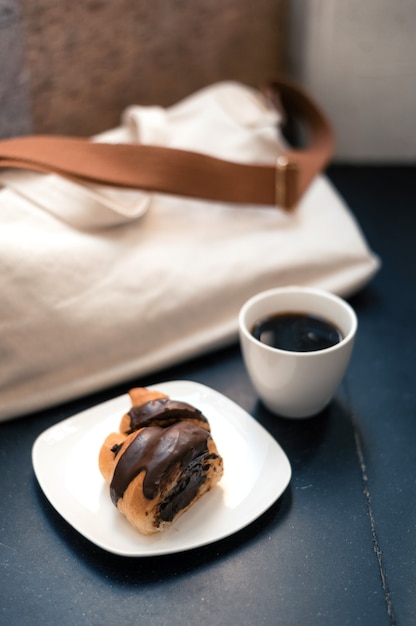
[182,172]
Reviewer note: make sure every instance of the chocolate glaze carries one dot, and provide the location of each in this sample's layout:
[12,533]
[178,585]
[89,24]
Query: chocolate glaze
[162,412]
[155,450]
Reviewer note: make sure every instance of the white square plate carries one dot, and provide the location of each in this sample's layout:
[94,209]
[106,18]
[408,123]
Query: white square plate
[256,473]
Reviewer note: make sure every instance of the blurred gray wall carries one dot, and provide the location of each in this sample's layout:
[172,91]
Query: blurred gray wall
[358,57]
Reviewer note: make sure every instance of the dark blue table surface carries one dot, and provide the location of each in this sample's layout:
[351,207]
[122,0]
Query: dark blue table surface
[338,548]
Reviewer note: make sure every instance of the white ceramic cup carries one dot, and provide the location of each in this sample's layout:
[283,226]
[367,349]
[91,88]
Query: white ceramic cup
[296,384]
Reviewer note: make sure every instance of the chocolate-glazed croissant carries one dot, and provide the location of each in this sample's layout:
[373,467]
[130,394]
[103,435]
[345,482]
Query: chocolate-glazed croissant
[156,474]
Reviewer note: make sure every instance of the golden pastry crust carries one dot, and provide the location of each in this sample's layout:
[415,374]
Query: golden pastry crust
[107,455]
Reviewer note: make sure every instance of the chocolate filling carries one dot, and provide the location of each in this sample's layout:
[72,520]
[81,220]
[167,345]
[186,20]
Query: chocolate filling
[156,450]
[184,492]
[162,412]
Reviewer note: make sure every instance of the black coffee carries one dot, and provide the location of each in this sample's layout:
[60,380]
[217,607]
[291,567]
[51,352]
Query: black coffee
[296,332]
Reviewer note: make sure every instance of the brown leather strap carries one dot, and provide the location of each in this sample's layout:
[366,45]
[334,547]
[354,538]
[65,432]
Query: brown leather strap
[181,172]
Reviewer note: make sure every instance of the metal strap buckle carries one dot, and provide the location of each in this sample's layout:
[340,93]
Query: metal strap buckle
[286,182]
